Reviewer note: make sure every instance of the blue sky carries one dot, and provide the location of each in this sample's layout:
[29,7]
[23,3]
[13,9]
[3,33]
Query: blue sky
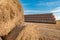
[41,6]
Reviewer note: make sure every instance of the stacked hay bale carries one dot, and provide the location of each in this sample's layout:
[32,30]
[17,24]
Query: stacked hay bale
[11,15]
[40,18]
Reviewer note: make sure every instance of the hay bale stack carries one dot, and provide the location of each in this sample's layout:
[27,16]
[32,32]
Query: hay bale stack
[11,14]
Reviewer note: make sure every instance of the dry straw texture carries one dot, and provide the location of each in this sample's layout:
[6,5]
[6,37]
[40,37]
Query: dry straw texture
[30,32]
[40,31]
[11,14]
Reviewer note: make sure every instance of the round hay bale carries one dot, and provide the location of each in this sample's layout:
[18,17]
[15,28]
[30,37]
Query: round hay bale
[11,14]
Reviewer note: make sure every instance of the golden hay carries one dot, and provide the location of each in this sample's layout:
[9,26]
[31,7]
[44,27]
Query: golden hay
[11,14]
[33,31]
[30,32]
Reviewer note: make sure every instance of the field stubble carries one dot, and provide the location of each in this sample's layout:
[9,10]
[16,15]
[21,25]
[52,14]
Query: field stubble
[40,31]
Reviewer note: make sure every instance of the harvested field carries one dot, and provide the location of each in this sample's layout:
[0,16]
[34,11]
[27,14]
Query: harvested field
[54,26]
[35,31]
[40,31]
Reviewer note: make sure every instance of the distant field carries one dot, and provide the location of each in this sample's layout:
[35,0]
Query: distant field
[40,31]
[55,26]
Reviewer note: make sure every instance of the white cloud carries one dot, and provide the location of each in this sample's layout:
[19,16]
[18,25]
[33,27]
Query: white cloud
[57,17]
[34,11]
[48,3]
[56,12]
[31,11]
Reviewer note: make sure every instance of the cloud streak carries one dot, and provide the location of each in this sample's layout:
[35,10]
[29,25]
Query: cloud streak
[34,11]
[48,3]
[31,11]
[56,12]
